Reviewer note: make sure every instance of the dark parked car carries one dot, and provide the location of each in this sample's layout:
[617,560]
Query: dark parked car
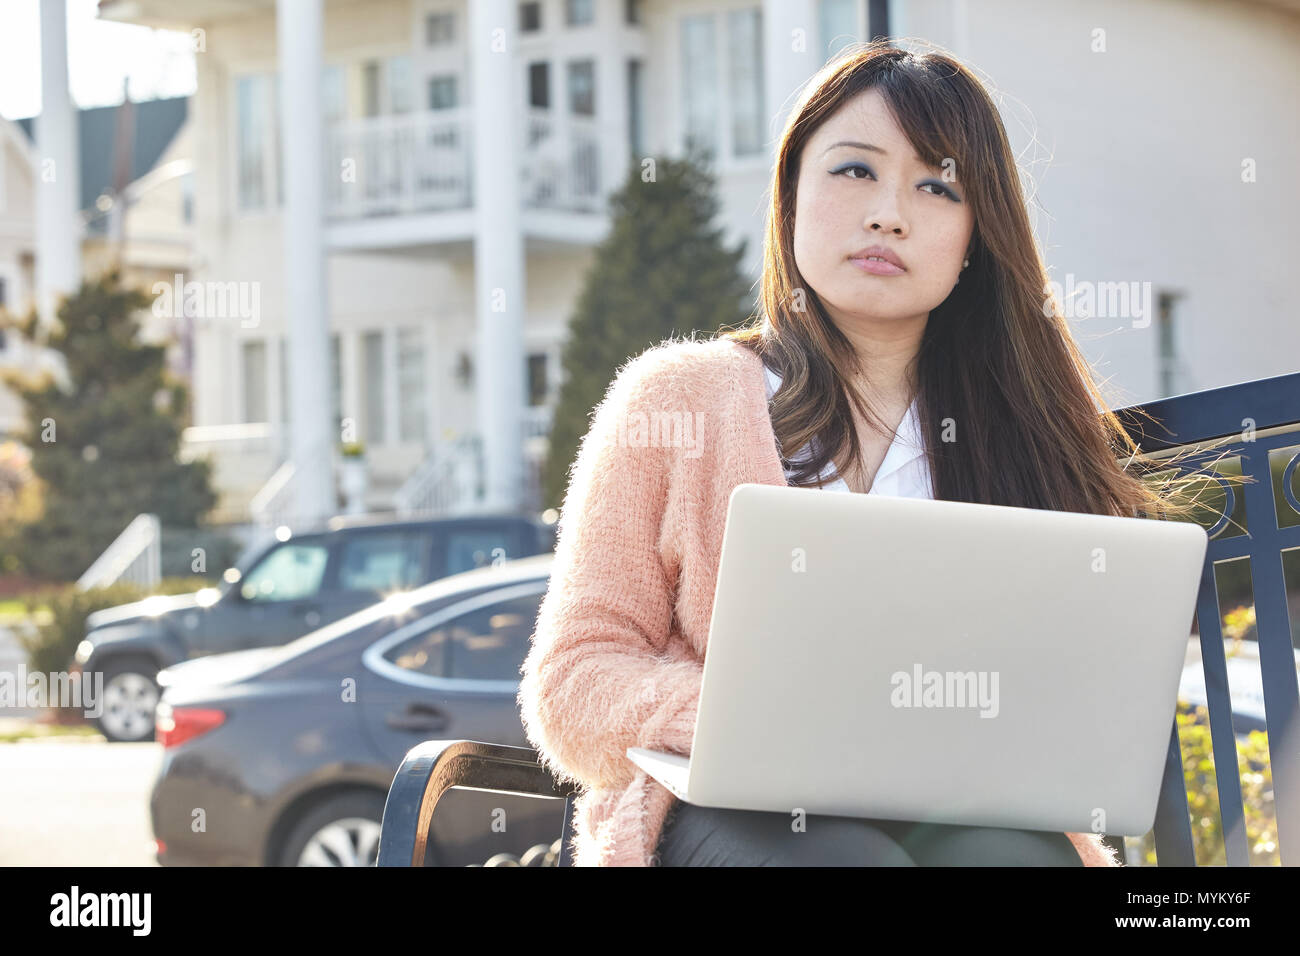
[293,585]
[284,756]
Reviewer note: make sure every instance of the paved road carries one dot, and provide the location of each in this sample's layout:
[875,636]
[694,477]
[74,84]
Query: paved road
[75,803]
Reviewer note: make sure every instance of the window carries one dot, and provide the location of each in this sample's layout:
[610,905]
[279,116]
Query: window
[258,182]
[470,548]
[745,59]
[582,87]
[289,573]
[492,644]
[386,86]
[578,12]
[410,384]
[442,92]
[838,22]
[700,86]
[722,84]
[253,359]
[530,17]
[489,643]
[539,85]
[385,561]
[424,654]
[370,87]
[537,379]
[635,101]
[878,19]
[1169,365]
[439,29]
[399,81]
[372,347]
[334,94]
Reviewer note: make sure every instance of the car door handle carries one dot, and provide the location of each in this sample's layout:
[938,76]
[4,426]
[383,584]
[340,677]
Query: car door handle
[420,718]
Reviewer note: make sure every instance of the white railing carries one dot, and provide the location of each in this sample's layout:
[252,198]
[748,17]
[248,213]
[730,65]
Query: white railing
[242,443]
[445,483]
[270,506]
[561,161]
[403,163]
[135,556]
[421,162]
[537,421]
[275,503]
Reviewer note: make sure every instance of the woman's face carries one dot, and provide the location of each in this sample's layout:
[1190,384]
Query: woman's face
[876,192]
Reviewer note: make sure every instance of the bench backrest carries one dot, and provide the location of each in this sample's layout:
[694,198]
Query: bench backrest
[1258,425]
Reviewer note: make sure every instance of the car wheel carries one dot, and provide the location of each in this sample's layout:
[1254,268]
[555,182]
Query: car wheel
[341,831]
[130,697]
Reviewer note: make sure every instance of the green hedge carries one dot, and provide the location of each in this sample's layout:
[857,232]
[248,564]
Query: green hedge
[57,623]
[1201,780]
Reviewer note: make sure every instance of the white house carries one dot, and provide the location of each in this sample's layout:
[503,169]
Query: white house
[146,230]
[17,262]
[464,151]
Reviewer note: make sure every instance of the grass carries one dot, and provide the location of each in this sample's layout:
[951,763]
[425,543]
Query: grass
[30,730]
[12,609]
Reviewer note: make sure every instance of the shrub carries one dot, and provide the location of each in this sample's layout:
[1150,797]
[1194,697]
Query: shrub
[58,621]
[1201,780]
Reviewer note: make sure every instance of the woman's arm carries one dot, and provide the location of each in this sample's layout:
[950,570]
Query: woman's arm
[598,679]
[1092,851]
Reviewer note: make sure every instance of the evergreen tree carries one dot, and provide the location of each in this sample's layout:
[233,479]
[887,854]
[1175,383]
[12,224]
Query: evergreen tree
[104,450]
[662,272]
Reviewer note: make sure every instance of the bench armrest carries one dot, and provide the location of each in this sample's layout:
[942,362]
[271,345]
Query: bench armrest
[432,768]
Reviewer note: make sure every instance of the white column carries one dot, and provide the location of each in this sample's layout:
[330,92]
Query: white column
[312,438]
[791,41]
[58,180]
[611,103]
[498,250]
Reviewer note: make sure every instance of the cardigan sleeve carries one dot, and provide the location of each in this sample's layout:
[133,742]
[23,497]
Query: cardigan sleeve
[598,677]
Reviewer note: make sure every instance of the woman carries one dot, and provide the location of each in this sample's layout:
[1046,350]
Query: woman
[901,292]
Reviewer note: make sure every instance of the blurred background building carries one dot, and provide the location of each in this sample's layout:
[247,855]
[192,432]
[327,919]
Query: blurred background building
[410,191]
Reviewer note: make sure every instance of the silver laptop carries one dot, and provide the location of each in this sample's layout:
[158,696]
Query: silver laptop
[938,661]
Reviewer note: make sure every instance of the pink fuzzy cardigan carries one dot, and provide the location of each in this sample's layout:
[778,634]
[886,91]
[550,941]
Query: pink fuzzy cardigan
[617,655]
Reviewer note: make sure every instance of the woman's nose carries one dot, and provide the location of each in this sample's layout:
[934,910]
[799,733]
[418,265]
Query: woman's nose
[886,216]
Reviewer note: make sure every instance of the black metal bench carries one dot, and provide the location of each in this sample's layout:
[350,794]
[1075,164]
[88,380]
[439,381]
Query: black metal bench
[1256,422]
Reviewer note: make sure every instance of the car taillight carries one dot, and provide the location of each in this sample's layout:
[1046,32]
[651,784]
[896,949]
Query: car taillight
[175,725]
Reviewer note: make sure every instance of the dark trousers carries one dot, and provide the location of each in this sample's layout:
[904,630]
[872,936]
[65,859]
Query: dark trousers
[708,836]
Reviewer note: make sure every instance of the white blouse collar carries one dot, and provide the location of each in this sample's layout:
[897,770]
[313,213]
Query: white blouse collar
[907,446]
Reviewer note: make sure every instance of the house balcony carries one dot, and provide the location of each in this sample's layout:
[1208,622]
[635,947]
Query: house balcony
[408,179]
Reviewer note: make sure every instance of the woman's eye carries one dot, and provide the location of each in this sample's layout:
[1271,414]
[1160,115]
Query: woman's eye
[941,190]
[936,189]
[845,170]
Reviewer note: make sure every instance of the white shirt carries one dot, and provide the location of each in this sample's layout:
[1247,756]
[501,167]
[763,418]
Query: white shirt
[904,472]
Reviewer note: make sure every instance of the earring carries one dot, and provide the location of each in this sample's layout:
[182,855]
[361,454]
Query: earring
[965,263]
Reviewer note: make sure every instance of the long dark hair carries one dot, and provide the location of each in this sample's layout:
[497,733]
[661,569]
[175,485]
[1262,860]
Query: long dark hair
[997,358]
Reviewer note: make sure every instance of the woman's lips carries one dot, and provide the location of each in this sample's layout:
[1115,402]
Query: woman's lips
[877,267]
